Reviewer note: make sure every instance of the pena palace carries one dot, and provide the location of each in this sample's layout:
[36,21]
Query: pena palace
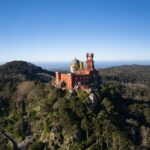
[79,77]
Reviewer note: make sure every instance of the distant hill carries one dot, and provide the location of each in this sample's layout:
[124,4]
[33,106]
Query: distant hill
[17,71]
[137,74]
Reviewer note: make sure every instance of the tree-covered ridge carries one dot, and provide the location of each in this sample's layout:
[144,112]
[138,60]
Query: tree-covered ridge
[13,73]
[137,74]
[60,120]
[134,78]
[17,71]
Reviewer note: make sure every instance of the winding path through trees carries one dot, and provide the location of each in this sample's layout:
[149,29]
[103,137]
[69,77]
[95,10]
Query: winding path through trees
[26,129]
[10,138]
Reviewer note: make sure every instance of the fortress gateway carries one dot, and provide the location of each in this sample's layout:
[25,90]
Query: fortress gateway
[79,77]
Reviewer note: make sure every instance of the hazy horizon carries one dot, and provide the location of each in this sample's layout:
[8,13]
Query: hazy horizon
[65,65]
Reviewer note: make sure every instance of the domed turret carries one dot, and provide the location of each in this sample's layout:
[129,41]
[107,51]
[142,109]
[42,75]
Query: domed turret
[75,65]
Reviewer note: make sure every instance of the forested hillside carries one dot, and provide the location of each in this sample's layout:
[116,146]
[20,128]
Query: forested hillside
[127,74]
[18,71]
[59,120]
[134,78]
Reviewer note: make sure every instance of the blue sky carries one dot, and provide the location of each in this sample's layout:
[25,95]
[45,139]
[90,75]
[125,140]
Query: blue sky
[58,30]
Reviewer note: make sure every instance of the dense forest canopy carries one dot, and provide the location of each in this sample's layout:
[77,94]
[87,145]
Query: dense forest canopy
[135,79]
[138,74]
[118,118]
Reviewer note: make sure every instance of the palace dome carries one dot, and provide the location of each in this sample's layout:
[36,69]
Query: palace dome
[75,61]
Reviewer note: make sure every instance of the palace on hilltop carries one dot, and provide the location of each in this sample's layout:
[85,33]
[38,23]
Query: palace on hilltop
[79,77]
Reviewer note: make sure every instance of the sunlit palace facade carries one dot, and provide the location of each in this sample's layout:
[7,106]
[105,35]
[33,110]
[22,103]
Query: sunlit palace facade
[79,77]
